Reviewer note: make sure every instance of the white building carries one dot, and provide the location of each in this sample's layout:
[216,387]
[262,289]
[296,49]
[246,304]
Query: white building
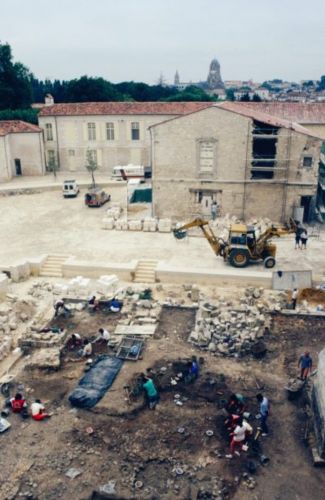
[21,149]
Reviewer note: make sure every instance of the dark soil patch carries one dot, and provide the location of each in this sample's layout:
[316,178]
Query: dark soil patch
[176,322]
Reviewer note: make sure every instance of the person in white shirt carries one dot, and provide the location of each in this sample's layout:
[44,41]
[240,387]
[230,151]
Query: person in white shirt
[87,349]
[104,336]
[38,410]
[240,433]
[294,298]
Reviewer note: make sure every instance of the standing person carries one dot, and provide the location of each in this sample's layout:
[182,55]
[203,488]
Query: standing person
[152,394]
[305,363]
[264,411]
[297,237]
[239,435]
[304,239]
[214,209]
[38,410]
[294,298]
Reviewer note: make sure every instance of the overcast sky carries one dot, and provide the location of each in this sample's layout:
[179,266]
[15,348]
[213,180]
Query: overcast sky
[136,40]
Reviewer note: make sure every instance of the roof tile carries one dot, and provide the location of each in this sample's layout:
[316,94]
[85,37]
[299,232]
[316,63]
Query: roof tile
[123,108]
[16,127]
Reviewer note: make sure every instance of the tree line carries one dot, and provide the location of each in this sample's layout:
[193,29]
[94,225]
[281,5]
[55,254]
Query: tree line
[19,89]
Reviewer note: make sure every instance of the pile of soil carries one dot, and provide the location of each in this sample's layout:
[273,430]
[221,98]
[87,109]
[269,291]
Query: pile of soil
[312,295]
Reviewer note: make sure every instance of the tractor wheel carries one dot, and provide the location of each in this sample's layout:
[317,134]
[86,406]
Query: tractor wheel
[269,262]
[238,258]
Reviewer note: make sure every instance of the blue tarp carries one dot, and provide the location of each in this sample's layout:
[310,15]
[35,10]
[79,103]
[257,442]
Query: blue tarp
[96,382]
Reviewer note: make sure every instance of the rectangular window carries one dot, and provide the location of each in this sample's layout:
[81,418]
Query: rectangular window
[51,157]
[93,155]
[307,161]
[91,131]
[48,132]
[110,131]
[135,131]
[71,152]
[206,159]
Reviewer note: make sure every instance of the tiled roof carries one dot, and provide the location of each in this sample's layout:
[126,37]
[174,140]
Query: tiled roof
[123,108]
[259,115]
[16,126]
[300,112]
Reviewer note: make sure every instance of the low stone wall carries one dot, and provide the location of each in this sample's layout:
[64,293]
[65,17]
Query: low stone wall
[124,271]
[221,277]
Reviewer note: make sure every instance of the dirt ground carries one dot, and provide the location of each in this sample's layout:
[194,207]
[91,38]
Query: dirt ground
[166,453]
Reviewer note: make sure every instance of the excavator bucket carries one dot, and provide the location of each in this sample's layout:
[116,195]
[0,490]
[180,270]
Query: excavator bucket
[180,234]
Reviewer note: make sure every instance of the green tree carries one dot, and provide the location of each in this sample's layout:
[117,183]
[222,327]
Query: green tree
[321,85]
[91,166]
[52,165]
[192,93]
[245,97]
[256,98]
[230,94]
[87,89]
[27,115]
[15,81]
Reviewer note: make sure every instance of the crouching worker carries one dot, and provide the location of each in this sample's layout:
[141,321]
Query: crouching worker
[239,436]
[115,305]
[87,349]
[74,342]
[60,307]
[193,370]
[152,395]
[93,304]
[38,411]
[18,405]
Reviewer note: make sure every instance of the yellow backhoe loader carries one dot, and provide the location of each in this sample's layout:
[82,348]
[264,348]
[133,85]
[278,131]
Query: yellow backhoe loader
[244,244]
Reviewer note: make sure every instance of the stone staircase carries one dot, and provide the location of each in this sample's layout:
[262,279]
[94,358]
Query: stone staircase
[146,271]
[52,267]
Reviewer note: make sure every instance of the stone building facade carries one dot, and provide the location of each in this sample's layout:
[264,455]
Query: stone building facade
[21,149]
[248,162]
[117,133]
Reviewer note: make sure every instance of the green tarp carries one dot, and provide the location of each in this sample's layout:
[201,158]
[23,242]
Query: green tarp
[141,196]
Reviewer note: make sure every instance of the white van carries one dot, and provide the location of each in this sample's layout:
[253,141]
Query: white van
[128,172]
[70,189]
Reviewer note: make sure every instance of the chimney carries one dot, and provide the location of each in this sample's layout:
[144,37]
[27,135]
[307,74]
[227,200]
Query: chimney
[49,100]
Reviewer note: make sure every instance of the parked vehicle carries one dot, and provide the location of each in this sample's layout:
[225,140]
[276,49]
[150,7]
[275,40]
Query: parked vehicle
[127,172]
[70,189]
[96,197]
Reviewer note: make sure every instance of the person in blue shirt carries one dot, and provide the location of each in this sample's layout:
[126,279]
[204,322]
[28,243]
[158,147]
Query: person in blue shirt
[305,363]
[264,411]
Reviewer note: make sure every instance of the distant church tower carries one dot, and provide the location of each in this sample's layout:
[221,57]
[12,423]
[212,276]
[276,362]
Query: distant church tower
[176,78]
[214,80]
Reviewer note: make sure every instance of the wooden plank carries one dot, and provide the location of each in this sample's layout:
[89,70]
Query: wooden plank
[148,329]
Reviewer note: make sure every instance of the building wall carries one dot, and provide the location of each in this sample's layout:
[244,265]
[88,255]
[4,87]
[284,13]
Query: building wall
[70,140]
[28,148]
[318,129]
[4,166]
[176,176]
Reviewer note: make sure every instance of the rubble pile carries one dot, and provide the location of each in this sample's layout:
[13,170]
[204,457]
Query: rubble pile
[13,313]
[232,327]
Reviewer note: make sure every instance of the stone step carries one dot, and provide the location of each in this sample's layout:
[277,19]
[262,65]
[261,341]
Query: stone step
[51,274]
[144,280]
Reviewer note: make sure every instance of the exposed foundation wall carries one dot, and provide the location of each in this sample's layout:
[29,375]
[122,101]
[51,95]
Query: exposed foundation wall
[70,133]
[4,167]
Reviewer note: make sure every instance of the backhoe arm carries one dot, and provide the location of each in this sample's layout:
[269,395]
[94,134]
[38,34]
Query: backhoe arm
[217,244]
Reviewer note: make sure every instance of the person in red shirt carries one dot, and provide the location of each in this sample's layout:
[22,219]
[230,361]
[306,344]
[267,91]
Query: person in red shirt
[18,403]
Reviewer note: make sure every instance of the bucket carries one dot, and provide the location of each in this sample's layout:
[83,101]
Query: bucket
[264,460]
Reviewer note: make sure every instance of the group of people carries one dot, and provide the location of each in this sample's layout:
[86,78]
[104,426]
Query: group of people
[301,237]
[114,305]
[237,425]
[85,346]
[149,382]
[19,405]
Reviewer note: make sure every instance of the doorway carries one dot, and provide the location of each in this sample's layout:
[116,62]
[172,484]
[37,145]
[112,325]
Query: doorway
[204,200]
[306,204]
[18,166]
